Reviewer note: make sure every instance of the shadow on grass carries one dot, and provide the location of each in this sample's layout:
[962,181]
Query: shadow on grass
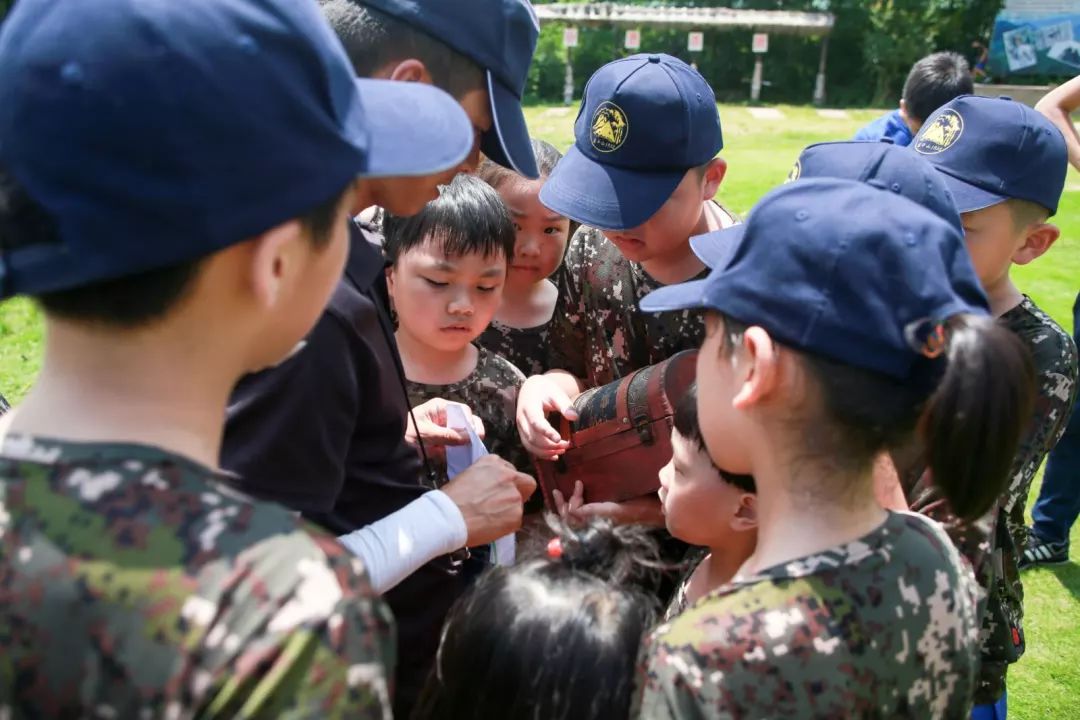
[1068,575]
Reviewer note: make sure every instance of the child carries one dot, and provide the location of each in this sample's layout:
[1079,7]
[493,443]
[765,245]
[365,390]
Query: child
[641,178]
[842,317]
[1005,165]
[519,331]
[182,250]
[447,269]
[552,637]
[720,516]
[932,82]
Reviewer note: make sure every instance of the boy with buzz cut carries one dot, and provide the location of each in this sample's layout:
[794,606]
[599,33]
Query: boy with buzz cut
[1005,165]
[335,413]
[134,582]
[641,178]
[932,82]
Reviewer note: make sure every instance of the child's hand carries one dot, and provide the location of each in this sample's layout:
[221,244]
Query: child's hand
[567,509]
[539,396]
[431,425]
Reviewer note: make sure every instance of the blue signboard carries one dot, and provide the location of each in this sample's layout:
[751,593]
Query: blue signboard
[1026,44]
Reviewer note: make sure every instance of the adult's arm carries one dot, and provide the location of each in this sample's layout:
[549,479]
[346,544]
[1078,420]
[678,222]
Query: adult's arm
[1057,105]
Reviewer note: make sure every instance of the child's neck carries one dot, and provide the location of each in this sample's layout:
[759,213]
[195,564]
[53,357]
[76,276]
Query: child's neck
[144,388]
[431,366]
[791,525]
[1003,296]
[681,264]
[527,305]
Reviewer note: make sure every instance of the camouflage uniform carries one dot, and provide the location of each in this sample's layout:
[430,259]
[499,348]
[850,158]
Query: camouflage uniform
[994,543]
[525,348]
[679,602]
[597,332]
[132,584]
[884,626]
[491,392]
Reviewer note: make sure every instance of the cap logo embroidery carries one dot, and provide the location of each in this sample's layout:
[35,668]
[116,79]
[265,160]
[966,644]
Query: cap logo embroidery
[609,127]
[940,134]
[795,173]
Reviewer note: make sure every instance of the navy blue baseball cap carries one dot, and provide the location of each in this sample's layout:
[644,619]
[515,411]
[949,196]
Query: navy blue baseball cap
[156,132]
[644,121]
[499,36]
[842,269]
[995,149]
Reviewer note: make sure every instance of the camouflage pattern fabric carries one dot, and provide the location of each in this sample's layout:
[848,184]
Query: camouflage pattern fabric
[598,333]
[134,585]
[679,602]
[525,348]
[993,544]
[881,627]
[491,392]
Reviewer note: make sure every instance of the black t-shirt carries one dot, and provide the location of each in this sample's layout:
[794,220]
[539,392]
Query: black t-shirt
[324,433]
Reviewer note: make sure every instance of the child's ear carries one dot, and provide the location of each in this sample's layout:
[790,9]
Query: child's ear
[273,258]
[757,368]
[1038,240]
[410,70]
[745,517]
[714,175]
[390,279]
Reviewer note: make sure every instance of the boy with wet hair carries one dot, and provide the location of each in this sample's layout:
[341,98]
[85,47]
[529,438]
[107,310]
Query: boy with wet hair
[641,178]
[134,580]
[1005,165]
[932,82]
[336,413]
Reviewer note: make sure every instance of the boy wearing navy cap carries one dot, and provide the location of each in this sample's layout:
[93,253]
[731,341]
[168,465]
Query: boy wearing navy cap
[328,433]
[1005,165]
[134,581]
[640,178]
[841,317]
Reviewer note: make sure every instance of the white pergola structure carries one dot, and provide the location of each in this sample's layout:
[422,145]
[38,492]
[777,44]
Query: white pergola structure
[780,22]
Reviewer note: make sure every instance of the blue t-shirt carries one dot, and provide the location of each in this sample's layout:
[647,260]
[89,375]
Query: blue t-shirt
[891,126]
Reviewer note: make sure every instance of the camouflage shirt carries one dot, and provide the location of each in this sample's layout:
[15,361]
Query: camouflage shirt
[993,544]
[525,348]
[491,392]
[880,627]
[132,584]
[598,333]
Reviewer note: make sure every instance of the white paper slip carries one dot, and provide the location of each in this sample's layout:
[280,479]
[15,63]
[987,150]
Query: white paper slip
[458,458]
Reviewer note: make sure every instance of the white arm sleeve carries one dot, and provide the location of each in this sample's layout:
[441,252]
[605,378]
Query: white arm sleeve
[396,546]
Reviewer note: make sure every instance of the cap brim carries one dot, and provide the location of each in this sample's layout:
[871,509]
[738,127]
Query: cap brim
[968,197]
[508,142]
[411,129]
[605,196]
[716,249]
[675,297]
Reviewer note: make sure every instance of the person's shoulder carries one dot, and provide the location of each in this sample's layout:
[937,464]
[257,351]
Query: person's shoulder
[494,368]
[1052,349]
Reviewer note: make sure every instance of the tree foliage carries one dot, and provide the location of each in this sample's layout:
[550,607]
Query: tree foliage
[871,48]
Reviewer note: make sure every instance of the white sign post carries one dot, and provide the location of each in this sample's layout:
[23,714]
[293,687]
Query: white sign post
[570,37]
[759,46]
[570,41]
[633,40]
[695,42]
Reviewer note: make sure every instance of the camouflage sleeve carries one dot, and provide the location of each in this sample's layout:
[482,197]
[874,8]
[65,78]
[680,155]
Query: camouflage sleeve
[667,688]
[323,649]
[1056,371]
[567,340]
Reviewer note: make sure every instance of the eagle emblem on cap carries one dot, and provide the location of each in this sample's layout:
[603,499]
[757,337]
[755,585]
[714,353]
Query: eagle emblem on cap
[940,133]
[609,127]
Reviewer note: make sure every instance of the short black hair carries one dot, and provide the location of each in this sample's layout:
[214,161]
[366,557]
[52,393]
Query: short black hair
[934,81]
[686,423]
[127,302]
[372,39]
[468,218]
[554,637]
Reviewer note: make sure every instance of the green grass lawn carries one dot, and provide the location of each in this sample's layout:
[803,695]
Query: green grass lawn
[1046,682]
